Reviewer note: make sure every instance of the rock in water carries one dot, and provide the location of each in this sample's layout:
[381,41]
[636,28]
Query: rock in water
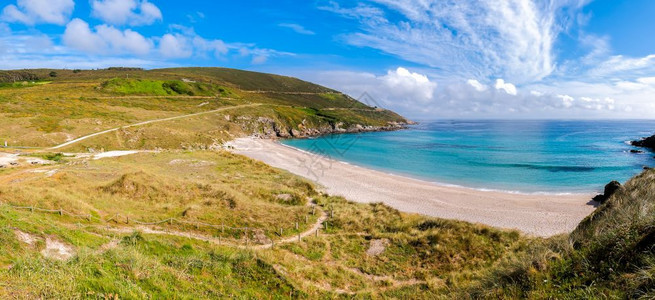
[648,142]
[610,189]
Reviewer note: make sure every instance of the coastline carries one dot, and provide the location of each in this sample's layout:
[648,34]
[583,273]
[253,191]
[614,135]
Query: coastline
[534,214]
[451,185]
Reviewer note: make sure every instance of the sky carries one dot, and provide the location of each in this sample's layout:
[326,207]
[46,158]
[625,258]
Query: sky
[426,59]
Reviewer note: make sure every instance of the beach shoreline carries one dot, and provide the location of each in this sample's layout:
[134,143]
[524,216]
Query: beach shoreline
[534,214]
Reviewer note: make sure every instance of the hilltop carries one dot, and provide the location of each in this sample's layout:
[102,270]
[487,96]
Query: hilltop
[44,108]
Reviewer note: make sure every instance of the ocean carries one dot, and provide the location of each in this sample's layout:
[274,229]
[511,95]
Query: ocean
[516,156]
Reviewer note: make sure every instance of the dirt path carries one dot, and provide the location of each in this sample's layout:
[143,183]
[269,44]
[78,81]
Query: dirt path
[150,122]
[219,241]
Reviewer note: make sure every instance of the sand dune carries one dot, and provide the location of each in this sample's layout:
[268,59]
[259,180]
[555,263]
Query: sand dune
[540,215]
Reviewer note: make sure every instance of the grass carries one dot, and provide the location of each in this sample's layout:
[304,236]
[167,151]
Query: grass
[609,254]
[189,178]
[77,103]
[218,187]
[146,87]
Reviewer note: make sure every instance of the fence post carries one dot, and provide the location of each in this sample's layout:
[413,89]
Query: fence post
[246,236]
[222,227]
[127,219]
[170,221]
[299,237]
[281,231]
[306,219]
[61,212]
[313,210]
[332,213]
[296,225]
[317,232]
[31,209]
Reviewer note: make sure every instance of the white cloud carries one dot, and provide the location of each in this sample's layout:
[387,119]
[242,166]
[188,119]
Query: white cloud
[297,28]
[567,100]
[122,12]
[403,83]
[477,85]
[217,47]
[79,36]
[480,38]
[39,51]
[647,80]
[31,12]
[175,46]
[505,86]
[105,39]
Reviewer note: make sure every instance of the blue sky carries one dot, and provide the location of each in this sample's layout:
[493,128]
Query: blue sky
[425,59]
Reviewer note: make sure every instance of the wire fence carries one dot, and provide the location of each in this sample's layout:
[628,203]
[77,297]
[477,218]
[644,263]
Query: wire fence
[246,230]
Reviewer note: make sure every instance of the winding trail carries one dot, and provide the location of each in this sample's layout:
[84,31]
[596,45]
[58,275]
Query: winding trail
[150,122]
[218,241]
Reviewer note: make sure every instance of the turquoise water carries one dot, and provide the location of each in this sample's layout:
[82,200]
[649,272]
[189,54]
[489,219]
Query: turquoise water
[520,156]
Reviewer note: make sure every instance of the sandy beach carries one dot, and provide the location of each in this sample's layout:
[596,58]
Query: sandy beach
[534,214]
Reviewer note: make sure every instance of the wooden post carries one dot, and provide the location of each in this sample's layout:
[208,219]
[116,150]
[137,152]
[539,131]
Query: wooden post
[127,219]
[88,218]
[61,213]
[222,227]
[317,232]
[281,231]
[296,225]
[306,219]
[313,210]
[246,236]
[299,236]
[197,226]
[332,213]
[31,209]
[170,221]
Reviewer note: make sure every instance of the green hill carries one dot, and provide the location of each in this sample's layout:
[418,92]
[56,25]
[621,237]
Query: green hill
[50,107]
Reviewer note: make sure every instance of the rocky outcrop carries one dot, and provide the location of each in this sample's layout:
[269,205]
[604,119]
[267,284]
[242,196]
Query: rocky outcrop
[648,142]
[269,128]
[610,189]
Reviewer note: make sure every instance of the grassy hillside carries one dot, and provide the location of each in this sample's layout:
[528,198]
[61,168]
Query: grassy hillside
[366,250]
[43,108]
[609,255]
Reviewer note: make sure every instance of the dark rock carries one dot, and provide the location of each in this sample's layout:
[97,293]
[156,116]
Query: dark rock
[647,168]
[648,142]
[610,189]
[636,151]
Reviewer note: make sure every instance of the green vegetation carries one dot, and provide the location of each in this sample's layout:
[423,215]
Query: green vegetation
[144,87]
[76,103]
[421,256]
[609,255]
[85,237]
